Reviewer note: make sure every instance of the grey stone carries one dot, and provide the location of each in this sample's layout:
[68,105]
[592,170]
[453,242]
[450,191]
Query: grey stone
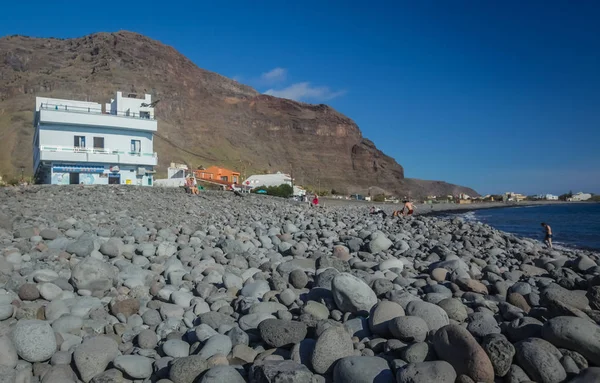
[281,333]
[333,344]
[222,374]
[280,371]
[500,351]
[188,369]
[216,344]
[358,327]
[255,289]
[379,243]
[575,334]
[93,356]
[482,324]
[427,372]
[454,308]
[298,279]
[352,294]
[93,274]
[251,321]
[588,375]
[134,366]
[34,340]
[82,247]
[409,328]
[176,348]
[215,319]
[111,248]
[8,352]
[415,353]
[359,369]
[433,315]
[382,315]
[540,360]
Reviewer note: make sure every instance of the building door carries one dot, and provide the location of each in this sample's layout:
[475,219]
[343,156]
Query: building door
[74,178]
[114,179]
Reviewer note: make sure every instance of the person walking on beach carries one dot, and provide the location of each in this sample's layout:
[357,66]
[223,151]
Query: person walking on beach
[548,234]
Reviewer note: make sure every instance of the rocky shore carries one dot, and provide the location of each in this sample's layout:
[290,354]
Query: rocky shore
[128,284]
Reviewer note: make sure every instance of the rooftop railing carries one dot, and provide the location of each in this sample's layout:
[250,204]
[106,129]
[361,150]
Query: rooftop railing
[77,149]
[89,110]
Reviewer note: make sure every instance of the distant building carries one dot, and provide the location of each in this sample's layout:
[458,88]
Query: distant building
[81,142]
[176,174]
[514,197]
[275,179]
[218,174]
[551,197]
[578,197]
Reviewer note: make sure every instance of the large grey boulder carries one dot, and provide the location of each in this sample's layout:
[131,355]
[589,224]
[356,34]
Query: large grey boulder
[427,372]
[359,369]
[93,356]
[93,274]
[575,334]
[433,315]
[381,316]
[34,340]
[280,333]
[352,294]
[334,343]
[540,360]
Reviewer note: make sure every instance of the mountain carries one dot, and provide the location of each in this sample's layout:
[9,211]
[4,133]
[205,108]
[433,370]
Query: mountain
[203,118]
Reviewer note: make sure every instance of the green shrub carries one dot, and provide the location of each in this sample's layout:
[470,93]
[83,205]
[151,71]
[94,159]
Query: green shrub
[283,190]
[379,198]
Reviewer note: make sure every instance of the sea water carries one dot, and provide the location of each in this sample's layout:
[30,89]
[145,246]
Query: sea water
[573,224]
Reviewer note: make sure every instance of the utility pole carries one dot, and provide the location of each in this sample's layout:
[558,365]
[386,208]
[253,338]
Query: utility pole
[292,177]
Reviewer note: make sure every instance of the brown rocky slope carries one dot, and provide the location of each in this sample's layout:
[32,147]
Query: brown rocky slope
[204,118]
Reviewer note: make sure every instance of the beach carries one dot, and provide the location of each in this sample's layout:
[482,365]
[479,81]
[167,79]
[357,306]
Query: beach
[132,284]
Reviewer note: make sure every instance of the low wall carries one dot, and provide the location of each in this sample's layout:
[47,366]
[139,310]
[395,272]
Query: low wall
[170,182]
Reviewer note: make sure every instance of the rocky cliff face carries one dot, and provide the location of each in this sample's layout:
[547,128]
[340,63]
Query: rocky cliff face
[204,118]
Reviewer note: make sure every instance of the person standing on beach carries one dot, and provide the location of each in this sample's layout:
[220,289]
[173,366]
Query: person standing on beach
[315,201]
[408,206]
[548,234]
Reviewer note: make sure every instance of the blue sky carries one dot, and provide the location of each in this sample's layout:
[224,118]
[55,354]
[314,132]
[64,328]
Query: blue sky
[496,95]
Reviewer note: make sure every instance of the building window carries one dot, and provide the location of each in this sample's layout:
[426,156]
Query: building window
[136,146]
[79,142]
[98,142]
[224,178]
[145,115]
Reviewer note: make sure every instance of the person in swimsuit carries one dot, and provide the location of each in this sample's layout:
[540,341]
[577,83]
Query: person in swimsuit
[548,234]
[408,206]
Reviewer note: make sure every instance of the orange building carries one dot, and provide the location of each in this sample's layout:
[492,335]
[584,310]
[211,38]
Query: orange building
[215,173]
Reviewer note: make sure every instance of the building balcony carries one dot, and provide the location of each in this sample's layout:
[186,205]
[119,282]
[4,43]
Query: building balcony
[75,154]
[76,115]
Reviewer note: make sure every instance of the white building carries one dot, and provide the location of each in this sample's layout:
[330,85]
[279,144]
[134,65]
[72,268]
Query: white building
[176,175]
[276,179]
[81,142]
[551,197]
[580,197]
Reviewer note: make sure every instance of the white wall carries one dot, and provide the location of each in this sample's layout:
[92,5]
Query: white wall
[268,180]
[114,139]
[133,105]
[58,101]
